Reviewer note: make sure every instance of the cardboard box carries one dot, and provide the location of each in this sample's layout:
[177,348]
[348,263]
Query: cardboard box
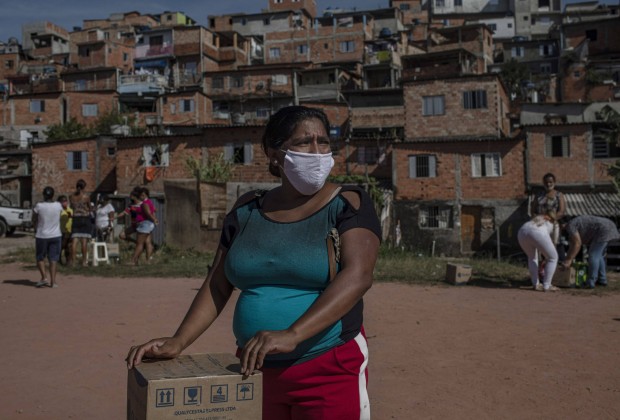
[193,387]
[458,273]
[564,277]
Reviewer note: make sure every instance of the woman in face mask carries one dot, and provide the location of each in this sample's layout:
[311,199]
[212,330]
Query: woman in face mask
[302,255]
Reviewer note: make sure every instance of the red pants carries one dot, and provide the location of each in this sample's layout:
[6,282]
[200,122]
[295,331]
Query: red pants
[330,386]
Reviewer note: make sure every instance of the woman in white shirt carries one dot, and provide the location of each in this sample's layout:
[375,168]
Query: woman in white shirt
[48,237]
[104,215]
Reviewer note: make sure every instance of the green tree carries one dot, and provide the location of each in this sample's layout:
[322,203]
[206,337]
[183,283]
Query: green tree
[107,120]
[215,169]
[72,129]
[513,75]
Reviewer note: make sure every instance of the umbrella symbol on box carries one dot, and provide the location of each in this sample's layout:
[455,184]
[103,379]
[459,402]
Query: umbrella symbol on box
[245,392]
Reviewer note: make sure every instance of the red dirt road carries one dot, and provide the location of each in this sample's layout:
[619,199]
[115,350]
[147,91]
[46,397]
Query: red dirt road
[436,352]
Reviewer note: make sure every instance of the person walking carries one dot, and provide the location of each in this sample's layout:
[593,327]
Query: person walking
[145,224]
[48,237]
[535,237]
[82,226]
[596,233]
[298,318]
[66,220]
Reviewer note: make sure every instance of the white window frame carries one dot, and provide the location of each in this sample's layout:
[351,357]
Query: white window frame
[263,113]
[549,146]
[486,165]
[517,51]
[433,105]
[186,105]
[302,49]
[149,155]
[90,110]
[422,166]
[347,46]
[77,160]
[274,52]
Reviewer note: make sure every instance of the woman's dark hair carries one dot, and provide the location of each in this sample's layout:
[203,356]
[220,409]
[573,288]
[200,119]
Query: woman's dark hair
[80,185]
[48,193]
[283,123]
[548,175]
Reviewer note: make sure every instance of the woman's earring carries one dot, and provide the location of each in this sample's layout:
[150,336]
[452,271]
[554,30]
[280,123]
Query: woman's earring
[275,161]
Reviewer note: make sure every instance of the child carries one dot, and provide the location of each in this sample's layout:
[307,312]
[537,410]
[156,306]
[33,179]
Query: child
[66,218]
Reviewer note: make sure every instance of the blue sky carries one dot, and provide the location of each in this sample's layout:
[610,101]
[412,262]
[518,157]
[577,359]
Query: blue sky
[70,13]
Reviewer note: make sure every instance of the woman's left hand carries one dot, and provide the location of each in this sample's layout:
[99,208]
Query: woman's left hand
[262,344]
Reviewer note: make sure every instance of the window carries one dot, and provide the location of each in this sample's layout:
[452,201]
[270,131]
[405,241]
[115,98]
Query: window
[125,57]
[422,166]
[80,85]
[526,18]
[267,21]
[279,79]
[404,6]
[458,3]
[302,49]
[186,105]
[509,25]
[367,155]
[37,105]
[602,148]
[239,153]
[237,82]
[576,74]
[156,155]
[262,113]
[517,51]
[433,105]
[475,99]
[8,64]
[591,34]
[156,40]
[545,68]
[546,50]
[486,165]
[217,83]
[435,217]
[440,3]
[84,51]
[90,110]
[111,151]
[557,146]
[274,52]
[543,4]
[347,46]
[492,26]
[77,161]
[221,110]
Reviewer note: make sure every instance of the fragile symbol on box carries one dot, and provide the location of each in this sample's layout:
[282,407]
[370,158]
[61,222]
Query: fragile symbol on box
[193,395]
[219,393]
[245,392]
[165,397]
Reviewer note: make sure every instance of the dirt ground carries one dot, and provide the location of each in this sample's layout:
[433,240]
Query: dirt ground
[441,352]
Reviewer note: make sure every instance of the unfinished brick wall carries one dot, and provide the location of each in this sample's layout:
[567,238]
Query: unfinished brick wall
[456,121]
[20,109]
[454,178]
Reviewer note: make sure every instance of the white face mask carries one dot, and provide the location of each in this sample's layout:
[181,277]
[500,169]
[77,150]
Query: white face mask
[307,172]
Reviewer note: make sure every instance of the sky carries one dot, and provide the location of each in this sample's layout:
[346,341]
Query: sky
[70,13]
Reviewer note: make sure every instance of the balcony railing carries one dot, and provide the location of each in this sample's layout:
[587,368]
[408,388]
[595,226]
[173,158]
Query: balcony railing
[142,83]
[37,86]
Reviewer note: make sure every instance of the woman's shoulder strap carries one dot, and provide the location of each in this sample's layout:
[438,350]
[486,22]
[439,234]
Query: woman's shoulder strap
[248,198]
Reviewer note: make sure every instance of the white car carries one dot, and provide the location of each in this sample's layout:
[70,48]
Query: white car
[12,217]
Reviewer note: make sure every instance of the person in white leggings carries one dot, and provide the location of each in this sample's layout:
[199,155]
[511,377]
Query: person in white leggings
[535,236]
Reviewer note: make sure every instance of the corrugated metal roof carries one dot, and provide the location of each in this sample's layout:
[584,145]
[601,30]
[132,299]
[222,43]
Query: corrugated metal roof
[595,204]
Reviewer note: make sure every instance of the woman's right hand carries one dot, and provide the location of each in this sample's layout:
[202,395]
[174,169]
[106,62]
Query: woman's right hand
[158,348]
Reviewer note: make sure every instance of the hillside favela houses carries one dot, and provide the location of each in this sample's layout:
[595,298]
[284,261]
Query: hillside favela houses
[450,112]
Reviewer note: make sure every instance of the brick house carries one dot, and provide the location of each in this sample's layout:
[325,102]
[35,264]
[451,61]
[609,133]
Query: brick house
[61,164]
[458,183]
